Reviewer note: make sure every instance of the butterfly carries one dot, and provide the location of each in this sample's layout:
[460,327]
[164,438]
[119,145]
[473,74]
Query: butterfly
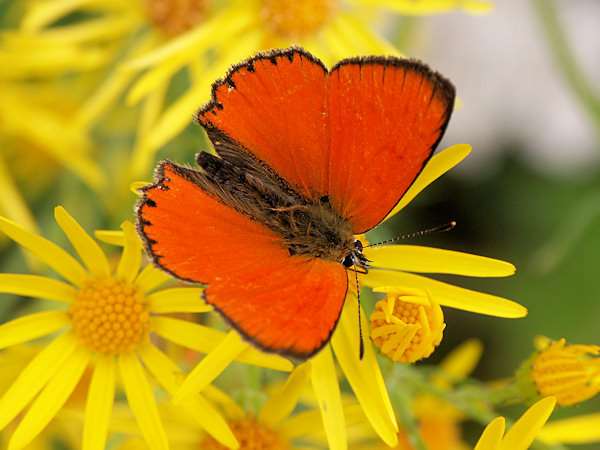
[306,158]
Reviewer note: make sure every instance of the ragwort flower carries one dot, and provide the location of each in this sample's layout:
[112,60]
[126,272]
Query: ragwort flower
[107,326]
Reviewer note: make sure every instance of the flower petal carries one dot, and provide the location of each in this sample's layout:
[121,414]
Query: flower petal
[327,391]
[415,258]
[188,299]
[461,361]
[51,399]
[141,401]
[47,251]
[438,165]
[281,404]
[150,278]
[32,326]
[420,8]
[33,377]
[87,248]
[574,430]
[112,237]
[167,374]
[446,294]
[523,432]
[492,435]
[211,366]
[37,286]
[99,403]
[129,265]
[364,375]
[204,339]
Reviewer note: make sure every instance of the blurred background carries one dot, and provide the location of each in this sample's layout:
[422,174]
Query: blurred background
[86,111]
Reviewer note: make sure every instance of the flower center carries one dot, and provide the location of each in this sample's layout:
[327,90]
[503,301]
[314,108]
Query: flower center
[174,17]
[293,19]
[407,325]
[567,372]
[251,435]
[110,316]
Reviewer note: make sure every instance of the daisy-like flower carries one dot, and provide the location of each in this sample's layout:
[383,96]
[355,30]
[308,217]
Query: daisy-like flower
[278,423]
[393,265]
[106,325]
[522,433]
[163,38]
[574,430]
[570,373]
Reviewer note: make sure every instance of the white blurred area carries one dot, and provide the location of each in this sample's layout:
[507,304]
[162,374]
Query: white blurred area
[511,91]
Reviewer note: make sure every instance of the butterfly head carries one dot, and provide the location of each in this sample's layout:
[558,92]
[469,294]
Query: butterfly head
[356,258]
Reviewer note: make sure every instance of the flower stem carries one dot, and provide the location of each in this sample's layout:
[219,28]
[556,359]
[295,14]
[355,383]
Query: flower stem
[547,13]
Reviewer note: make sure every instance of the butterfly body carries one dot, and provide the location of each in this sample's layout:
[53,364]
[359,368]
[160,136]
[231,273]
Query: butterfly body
[307,158]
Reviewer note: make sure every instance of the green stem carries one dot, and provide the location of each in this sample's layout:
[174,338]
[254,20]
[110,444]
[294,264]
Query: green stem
[571,70]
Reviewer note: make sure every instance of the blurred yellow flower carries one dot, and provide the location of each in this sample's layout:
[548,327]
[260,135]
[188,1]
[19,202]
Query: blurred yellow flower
[106,326]
[570,373]
[522,433]
[196,41]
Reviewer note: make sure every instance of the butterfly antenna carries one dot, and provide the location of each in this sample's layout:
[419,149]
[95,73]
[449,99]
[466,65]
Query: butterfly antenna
[438,229]
[361,349]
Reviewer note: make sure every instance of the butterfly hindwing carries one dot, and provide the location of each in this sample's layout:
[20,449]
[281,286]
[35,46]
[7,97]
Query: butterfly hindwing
[289,304]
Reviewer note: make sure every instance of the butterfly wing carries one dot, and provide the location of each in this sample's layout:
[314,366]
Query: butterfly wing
[274,106]
[386,116]
[283,303]
[360,134]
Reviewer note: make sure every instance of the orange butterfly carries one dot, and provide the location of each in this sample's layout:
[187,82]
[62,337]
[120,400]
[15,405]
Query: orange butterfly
[308,158]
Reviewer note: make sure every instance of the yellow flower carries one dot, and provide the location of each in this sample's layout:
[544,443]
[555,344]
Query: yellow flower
[567,372]
[407,325]
[199,39]
[522,433]
[106,325]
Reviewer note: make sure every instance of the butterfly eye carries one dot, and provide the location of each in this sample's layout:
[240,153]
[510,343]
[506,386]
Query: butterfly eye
[358,245]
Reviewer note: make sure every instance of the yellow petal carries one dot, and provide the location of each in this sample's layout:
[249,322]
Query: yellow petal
[327,391]
[141,401]
[129,265]
[178,300]
[46,251]
[281,404]
[461,361]
[113,237]
[191,42]
[33,377]
[211,366]
[150,278]
[51,399]
[414,258]
[87,248]
[574,430]
[37,286]
[99,403]
[420,8]
[168,375]
[447,294]
[492,435]
[232,410]
[32,326]
[12,203]
[438,165]
[205,339]
[42,14]
[364,375]
[523,432]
